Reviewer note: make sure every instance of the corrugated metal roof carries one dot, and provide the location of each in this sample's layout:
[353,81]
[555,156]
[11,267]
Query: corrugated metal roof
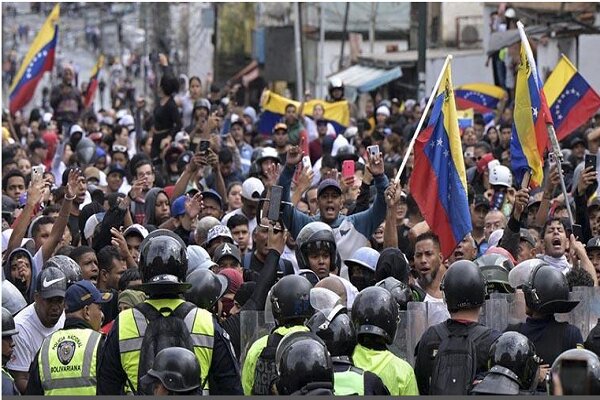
[364,79]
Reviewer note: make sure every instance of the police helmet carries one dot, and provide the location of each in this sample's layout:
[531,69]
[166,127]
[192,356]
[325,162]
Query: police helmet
[310,275]
[375,312]
[335,327]
[495,269]
[399,291]
[335,83]
[547,291]
[314,236]
[176,368]
[290,299]
[302,360]
[519,275]
[67,265]
[163,263]
[464,286]
[578,371]
[366,260]
[516,352]
[8,324]
[206,288]
[85,150]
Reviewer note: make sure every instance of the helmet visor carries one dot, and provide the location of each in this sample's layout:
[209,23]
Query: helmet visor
[318,247]
[322,299]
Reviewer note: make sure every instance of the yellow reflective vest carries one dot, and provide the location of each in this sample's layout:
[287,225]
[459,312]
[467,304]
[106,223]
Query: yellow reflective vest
[132,327]
[67,362]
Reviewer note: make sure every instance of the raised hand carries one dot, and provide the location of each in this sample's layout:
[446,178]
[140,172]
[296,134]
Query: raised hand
[294,156]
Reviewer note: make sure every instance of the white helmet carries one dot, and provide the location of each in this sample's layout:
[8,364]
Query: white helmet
[501,176]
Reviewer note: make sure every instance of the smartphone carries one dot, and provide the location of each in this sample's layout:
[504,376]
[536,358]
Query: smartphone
[373,150]
[590,161]
[576,373]
[306,162]
[37,173]
[526,179]
[204,146]
[273,214]
[577,231]
[348,169]
[497,200]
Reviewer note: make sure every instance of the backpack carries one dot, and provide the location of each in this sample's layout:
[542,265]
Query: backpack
[162,332]
[455,363]
[265,371]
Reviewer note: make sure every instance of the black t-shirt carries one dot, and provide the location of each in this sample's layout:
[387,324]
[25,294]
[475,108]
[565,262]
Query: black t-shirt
[73,223]
[111,308]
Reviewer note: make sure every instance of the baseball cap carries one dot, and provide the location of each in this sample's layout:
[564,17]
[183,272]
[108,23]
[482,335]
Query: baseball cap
[127,120]
[227,250]
[75,128]
[214,195]
[234,279]
[92,172]
[178,206]
[525,235]
[218,231]
[383,110]
[480,200]
[593,243]
[252,189]
[136,228]
[321,121]
[131,297]
[327,183]
[83,293]
[116,168]
[182,135]
[37,144]
[51,282]
[280,125]
[91,224]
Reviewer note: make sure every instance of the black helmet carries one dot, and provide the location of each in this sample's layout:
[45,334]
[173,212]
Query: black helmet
[163,263]
[347,152]
[335,327]
[495,269]
[290,299]
[315,235]
[375,312]
[578,371]
[85,150]
[400,292]
[67,265]
[516,352]
[302,359]
[176,368]
[8,324]
[207,288]
[464,286]
[547,291]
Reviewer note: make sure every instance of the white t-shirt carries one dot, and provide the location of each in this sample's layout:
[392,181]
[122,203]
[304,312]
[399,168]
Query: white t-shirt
[437,311]
[251,223]
[29,340]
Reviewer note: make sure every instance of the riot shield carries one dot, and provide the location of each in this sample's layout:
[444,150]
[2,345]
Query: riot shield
[437,313]
[12,299]
[253,326]
[400,344]
[594,307]
[516,307]
[416,324]
[580,315]
[494,313]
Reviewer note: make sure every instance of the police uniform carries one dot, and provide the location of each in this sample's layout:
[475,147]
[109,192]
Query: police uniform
[119,362]
[352,381]
[8,384]
[67,362]
[252,361]
[397,375]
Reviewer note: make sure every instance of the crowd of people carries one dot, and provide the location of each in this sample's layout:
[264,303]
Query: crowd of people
[134,240]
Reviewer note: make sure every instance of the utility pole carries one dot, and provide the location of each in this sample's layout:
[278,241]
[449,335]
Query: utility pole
[422,49]
[372,27]
[298,47]
[321,64]
[344,34]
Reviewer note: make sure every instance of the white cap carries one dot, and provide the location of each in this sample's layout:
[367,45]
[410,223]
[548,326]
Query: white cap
[218,231]
[136,228]
[91,224]
[383,110]
[127,120]
[495,237]
[252,189]
[120,114]
[47,117]
[75,128]
[181,135]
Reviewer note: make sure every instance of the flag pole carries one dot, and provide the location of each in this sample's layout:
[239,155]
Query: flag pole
[422,120]
[549,127]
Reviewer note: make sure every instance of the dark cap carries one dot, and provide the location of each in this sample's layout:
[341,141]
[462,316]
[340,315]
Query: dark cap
[51,282]
[116,168]
[327,183]
[83,293]
[321,121]
[37,144]
[593,243]
[594,204]
[525,235]
[214,195]
[481,201]
[227,250]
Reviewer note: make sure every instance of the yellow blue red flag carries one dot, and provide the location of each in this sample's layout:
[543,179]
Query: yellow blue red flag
[481,97]
[39,59]
[531,116]
[93,84]
[571,99]
[438,182]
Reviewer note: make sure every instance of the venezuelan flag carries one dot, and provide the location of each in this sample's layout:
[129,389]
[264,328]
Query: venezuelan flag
[93,84]
[481,97]
[273,109]
[438,182]
[571,99]
[39,59]
[531,115]
[465,118]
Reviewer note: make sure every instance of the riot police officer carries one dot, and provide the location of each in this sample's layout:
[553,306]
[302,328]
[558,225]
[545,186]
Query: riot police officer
[546,293]
[460,337]
[207,288]
[290,301]
[495,269]
[336,329]
[375,318]
[575,372]
[163,265]
[400,292]
[514,367]
[175,371]
[8,331]
[361,267]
